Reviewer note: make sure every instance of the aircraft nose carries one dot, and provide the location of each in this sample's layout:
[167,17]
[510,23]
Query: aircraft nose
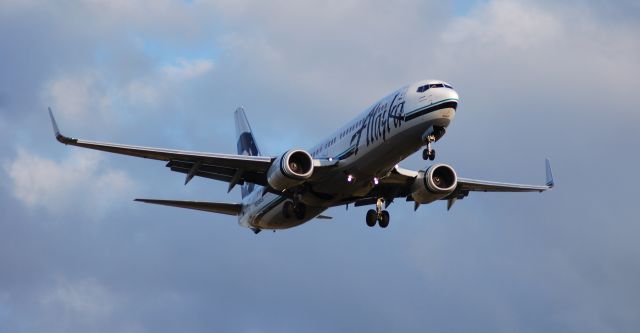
[447,94]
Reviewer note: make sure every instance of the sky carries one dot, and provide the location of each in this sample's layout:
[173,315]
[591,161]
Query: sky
[536,78]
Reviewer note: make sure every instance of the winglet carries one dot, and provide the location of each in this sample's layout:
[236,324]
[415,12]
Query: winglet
[56,130]
[550,182]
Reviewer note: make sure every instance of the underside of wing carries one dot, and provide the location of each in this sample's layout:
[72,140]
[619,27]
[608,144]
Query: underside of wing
[400,183]
[475,185]
[213,207]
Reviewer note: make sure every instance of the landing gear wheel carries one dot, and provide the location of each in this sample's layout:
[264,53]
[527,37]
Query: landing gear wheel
[428,154]
[287,209]
[383,219]
[372,216]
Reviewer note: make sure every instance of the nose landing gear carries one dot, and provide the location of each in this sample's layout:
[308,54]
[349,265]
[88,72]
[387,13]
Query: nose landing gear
[378,215]
[432,135]
[429,153]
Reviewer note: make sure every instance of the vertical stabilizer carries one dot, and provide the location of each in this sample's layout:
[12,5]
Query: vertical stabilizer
[246,144]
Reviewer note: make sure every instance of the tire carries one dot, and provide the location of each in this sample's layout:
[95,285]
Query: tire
[433,155]
[425,154]
[372,217]
[384,219]
[287,209]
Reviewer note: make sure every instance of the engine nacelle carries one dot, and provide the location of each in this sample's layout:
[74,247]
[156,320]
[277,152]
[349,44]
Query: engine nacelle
[290,169]
[435,183]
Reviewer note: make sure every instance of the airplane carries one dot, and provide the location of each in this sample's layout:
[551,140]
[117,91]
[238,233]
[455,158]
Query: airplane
[357,164]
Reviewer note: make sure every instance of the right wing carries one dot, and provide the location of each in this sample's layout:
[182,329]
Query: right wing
[235,169]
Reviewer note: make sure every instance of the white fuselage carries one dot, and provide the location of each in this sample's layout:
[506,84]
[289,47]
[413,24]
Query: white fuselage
[366,148]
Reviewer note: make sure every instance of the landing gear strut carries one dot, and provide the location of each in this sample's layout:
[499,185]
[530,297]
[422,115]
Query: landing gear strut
[378,215]
[429,153]
[432,135]
[289,209]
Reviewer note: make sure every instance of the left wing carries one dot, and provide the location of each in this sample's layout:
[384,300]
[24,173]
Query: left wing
[465,184]
[398,184]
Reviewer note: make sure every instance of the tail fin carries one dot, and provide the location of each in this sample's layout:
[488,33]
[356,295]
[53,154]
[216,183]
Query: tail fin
[246,144]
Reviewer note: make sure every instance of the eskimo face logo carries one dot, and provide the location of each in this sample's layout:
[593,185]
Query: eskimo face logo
[246,145]
[378,122]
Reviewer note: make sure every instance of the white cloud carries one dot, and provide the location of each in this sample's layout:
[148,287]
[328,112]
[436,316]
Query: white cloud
[78,95]
[78,181]
[88,97]
[187,69]
[506,23]
[85,301]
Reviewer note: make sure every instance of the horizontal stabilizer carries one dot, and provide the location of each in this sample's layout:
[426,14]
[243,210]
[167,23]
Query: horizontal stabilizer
[213,207]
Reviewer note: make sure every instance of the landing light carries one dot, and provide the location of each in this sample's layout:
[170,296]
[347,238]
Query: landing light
[350,178]
[376,181]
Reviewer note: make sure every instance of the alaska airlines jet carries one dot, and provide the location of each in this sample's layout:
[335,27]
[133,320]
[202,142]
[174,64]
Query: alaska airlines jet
[357,164]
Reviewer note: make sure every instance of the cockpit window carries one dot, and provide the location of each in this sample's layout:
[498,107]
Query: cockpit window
[426,87]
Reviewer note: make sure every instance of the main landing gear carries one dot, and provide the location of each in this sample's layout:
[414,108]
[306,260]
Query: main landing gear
[289,209]
[378,215]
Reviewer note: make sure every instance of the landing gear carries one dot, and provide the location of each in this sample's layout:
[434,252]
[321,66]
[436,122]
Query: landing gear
[290,209]
[429,153]
[434,134]
[372,217]
[383,219]
[378,215]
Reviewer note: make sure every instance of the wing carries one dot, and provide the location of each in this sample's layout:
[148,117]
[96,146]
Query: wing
[467,185]
[235,169]
[398,184]
[213,207]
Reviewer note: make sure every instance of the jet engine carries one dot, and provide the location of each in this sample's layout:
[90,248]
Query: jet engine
[290,170]
[435,183]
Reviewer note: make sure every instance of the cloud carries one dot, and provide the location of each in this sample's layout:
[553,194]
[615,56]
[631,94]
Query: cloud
[78,182]
[84,301]
[159,86]
[187,69]
[77,96]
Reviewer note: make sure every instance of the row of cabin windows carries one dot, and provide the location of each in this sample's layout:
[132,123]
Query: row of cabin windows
[426,87]
[351,129]
[325,146]
[342,135]
[330,143]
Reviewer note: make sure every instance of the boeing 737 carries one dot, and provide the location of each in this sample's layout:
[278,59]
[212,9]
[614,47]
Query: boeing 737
[357,164]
